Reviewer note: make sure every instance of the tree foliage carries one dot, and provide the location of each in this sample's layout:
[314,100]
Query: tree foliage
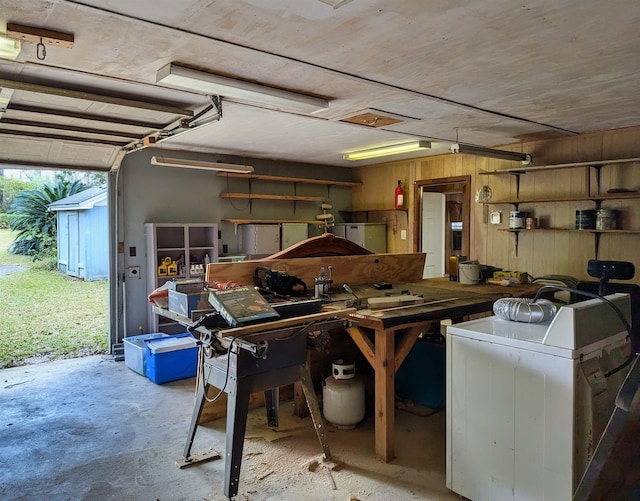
[31,218]
[9,187]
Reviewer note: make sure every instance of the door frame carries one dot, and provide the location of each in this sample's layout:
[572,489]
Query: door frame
[443,182]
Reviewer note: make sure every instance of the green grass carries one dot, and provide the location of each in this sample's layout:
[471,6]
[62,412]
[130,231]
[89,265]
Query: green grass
[46,315]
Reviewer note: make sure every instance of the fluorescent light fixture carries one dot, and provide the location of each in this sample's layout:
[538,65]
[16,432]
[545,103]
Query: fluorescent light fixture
[384,151]
[479,151]
[238,90]
[9,47]
[196,164]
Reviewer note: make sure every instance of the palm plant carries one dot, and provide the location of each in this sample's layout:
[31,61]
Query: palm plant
[35,224]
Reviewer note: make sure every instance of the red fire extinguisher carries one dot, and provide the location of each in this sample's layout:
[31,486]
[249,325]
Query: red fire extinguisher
[399,200]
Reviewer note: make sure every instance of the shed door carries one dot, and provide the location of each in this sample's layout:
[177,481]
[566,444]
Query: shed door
[72,244]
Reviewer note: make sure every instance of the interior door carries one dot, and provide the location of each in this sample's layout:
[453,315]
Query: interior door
[433,233]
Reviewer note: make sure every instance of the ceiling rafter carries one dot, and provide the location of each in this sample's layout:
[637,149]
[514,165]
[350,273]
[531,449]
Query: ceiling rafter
[91,96]
[85,116]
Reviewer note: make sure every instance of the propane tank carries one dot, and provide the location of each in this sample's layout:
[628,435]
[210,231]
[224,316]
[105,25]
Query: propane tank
[343,396]
[399,198]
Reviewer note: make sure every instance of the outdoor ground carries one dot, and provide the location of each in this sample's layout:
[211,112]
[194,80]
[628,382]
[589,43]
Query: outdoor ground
[46,315]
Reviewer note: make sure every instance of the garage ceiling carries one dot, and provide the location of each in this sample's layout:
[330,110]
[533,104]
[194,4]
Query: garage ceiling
[491,72]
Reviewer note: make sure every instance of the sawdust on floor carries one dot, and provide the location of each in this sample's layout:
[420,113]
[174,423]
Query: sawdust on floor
[287,463]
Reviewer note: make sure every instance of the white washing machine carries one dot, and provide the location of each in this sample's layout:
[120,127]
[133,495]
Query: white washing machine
[527,403]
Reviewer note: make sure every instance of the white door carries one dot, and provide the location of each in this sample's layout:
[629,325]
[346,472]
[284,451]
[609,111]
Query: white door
[433,232]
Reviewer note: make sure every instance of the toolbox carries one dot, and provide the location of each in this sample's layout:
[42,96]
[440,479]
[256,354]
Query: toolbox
[171,358]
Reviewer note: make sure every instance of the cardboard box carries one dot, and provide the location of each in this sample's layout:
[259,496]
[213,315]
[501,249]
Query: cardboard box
[187,304]
[521,276]
[171,358]
[134,347]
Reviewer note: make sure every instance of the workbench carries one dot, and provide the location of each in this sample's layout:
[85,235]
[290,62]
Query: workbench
[395,330]
[376,331]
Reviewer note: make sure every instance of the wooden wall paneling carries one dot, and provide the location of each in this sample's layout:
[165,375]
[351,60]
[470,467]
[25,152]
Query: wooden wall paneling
[549,252]
[621,143]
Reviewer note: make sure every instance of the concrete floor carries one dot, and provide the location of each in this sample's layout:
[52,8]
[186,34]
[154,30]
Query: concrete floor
[92,429]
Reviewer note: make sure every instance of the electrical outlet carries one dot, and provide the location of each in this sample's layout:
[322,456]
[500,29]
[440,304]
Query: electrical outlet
[133,271]
[403,234]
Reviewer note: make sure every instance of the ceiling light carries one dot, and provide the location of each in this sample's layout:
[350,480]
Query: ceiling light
[479,151]
[384,151]
[9,47]
[196,164]
[239,90]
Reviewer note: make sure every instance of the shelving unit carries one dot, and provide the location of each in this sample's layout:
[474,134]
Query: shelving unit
[597,198]
[284,179]
[189,241]
[596,164]
[366,212]
[249,195]
[237,222]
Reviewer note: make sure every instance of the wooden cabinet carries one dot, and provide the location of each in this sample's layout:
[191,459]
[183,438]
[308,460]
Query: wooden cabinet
[189,246]
[589,194]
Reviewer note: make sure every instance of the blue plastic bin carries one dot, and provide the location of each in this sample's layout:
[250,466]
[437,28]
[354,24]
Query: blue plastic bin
[171,358]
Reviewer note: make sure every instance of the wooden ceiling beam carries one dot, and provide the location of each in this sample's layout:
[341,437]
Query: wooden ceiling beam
[40,35]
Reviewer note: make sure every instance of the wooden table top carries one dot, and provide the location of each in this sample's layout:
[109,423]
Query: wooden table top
[442,299]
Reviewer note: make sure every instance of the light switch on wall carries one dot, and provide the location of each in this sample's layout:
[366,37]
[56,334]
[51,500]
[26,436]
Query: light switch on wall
[403,234]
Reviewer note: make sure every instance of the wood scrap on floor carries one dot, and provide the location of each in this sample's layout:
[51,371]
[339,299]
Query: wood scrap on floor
[209,455]
[275,434]
[413,408]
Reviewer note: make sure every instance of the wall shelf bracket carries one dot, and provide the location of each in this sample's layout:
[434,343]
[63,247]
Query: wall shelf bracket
[598,169]
[517,174]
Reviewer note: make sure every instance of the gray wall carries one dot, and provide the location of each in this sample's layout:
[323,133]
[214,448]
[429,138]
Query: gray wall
[148,193]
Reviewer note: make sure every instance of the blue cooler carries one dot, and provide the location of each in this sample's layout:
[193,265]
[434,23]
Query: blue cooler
[171,358]
[134,348]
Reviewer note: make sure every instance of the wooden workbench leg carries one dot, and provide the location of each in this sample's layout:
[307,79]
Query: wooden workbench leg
[384,365]
[237,409]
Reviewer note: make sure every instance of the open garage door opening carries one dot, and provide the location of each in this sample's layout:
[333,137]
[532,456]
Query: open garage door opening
[54,265]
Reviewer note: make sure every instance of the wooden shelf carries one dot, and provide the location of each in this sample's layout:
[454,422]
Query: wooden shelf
[257,196]
[285,179]
[535,168]
[580,198]
[237,222]
[572,230]
[270,221]
[596,233]
[373,210]
[367,211]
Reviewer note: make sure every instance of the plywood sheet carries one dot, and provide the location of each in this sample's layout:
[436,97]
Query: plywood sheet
[354,270]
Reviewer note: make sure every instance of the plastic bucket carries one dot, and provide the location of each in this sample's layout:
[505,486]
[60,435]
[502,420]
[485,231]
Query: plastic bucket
[469,273]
